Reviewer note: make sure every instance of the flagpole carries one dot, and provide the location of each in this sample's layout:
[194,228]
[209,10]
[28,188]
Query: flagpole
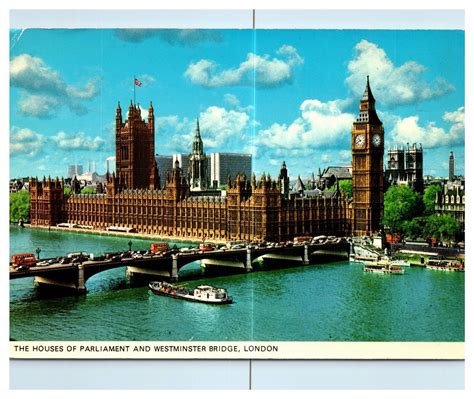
[134,101]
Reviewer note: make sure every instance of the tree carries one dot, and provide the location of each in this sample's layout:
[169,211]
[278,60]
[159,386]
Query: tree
[346,187]
[19,206]
[414,228]
[442,227]
[429,198]
[401,203]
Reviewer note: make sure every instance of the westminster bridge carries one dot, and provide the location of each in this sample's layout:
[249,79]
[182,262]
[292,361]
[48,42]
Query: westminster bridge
[74,276]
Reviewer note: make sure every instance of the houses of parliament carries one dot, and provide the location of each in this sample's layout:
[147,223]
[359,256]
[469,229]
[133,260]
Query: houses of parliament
[250,208]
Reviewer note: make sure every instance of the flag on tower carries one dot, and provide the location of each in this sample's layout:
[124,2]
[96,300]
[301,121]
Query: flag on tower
[138,83]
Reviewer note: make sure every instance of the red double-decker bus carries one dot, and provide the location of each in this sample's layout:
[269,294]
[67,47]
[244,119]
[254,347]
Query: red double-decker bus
[158,247]
[23,260]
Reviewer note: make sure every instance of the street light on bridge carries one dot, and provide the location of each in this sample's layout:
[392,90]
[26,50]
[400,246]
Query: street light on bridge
[38,251]
[130,245]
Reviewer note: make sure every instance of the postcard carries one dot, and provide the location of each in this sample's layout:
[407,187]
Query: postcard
[237,193]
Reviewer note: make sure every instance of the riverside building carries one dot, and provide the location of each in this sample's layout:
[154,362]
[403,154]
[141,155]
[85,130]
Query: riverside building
[252,208]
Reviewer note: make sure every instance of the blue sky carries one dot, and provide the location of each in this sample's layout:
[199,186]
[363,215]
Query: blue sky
[280,94]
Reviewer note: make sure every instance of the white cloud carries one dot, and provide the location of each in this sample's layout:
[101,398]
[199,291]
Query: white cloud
[319,125]
[234,103]
[44,90]
[78,141]
[218,126]
[24,141]
[392,85]
[262,71]
[43,107]
[408,130]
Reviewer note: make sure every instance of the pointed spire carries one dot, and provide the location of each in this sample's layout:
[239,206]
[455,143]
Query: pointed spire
[299,186]
[197,132]
[367,113]
[368,96]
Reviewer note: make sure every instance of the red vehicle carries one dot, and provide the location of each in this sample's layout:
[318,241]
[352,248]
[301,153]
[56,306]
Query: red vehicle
[159,247]
[27,260]
[392,238]
[206,247]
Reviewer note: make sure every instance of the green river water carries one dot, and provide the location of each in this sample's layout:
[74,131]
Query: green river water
[330,302]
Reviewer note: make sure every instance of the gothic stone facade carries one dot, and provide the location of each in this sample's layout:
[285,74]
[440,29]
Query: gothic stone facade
[250,210]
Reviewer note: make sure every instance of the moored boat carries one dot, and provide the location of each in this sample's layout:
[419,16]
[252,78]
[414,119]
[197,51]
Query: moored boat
[445,265]
[202,293]
[383,268]
[400,263]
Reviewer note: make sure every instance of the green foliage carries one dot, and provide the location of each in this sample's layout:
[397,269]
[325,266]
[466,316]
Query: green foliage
[19,206]
[442,227]
[346,187]
[88,190]
[401,203]
[67,190]
[414,228]
[429,198]
[222,187]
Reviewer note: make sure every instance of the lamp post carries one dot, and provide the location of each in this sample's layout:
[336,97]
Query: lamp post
[130,246]
[38,251]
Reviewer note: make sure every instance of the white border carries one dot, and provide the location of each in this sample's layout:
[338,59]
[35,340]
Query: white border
[187,367]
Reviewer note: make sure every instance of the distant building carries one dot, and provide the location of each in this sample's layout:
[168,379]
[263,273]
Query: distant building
[183,160]
[328,177]
[74,170]
[224,165]
[405,166]
[164,164]
[451,200]
[451,166]
[21,183]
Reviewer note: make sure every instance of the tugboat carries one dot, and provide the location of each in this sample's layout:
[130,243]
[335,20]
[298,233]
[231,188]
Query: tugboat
[202,293]
[385,268]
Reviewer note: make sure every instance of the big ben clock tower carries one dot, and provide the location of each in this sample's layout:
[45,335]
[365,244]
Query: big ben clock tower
[367,167]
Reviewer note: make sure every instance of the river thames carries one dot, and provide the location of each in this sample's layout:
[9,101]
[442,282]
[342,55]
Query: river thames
[329,302]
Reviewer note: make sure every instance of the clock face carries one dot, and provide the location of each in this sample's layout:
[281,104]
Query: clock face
[359,140]
[376,140]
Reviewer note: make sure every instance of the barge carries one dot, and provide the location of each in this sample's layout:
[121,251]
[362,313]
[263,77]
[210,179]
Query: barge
[202,293]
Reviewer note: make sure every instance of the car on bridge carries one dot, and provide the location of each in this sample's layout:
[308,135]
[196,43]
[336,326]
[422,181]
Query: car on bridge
[47,262]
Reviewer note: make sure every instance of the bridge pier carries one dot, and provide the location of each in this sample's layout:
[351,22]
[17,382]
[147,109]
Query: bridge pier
[81,287]
[174,267]
[248,260]
[306,255]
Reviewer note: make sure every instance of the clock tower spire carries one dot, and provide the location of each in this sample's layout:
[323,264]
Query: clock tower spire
[367,167]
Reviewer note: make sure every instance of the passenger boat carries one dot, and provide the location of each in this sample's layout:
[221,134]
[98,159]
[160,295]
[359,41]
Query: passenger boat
[400,263]
[202,293]
[382,268]
[445,265]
